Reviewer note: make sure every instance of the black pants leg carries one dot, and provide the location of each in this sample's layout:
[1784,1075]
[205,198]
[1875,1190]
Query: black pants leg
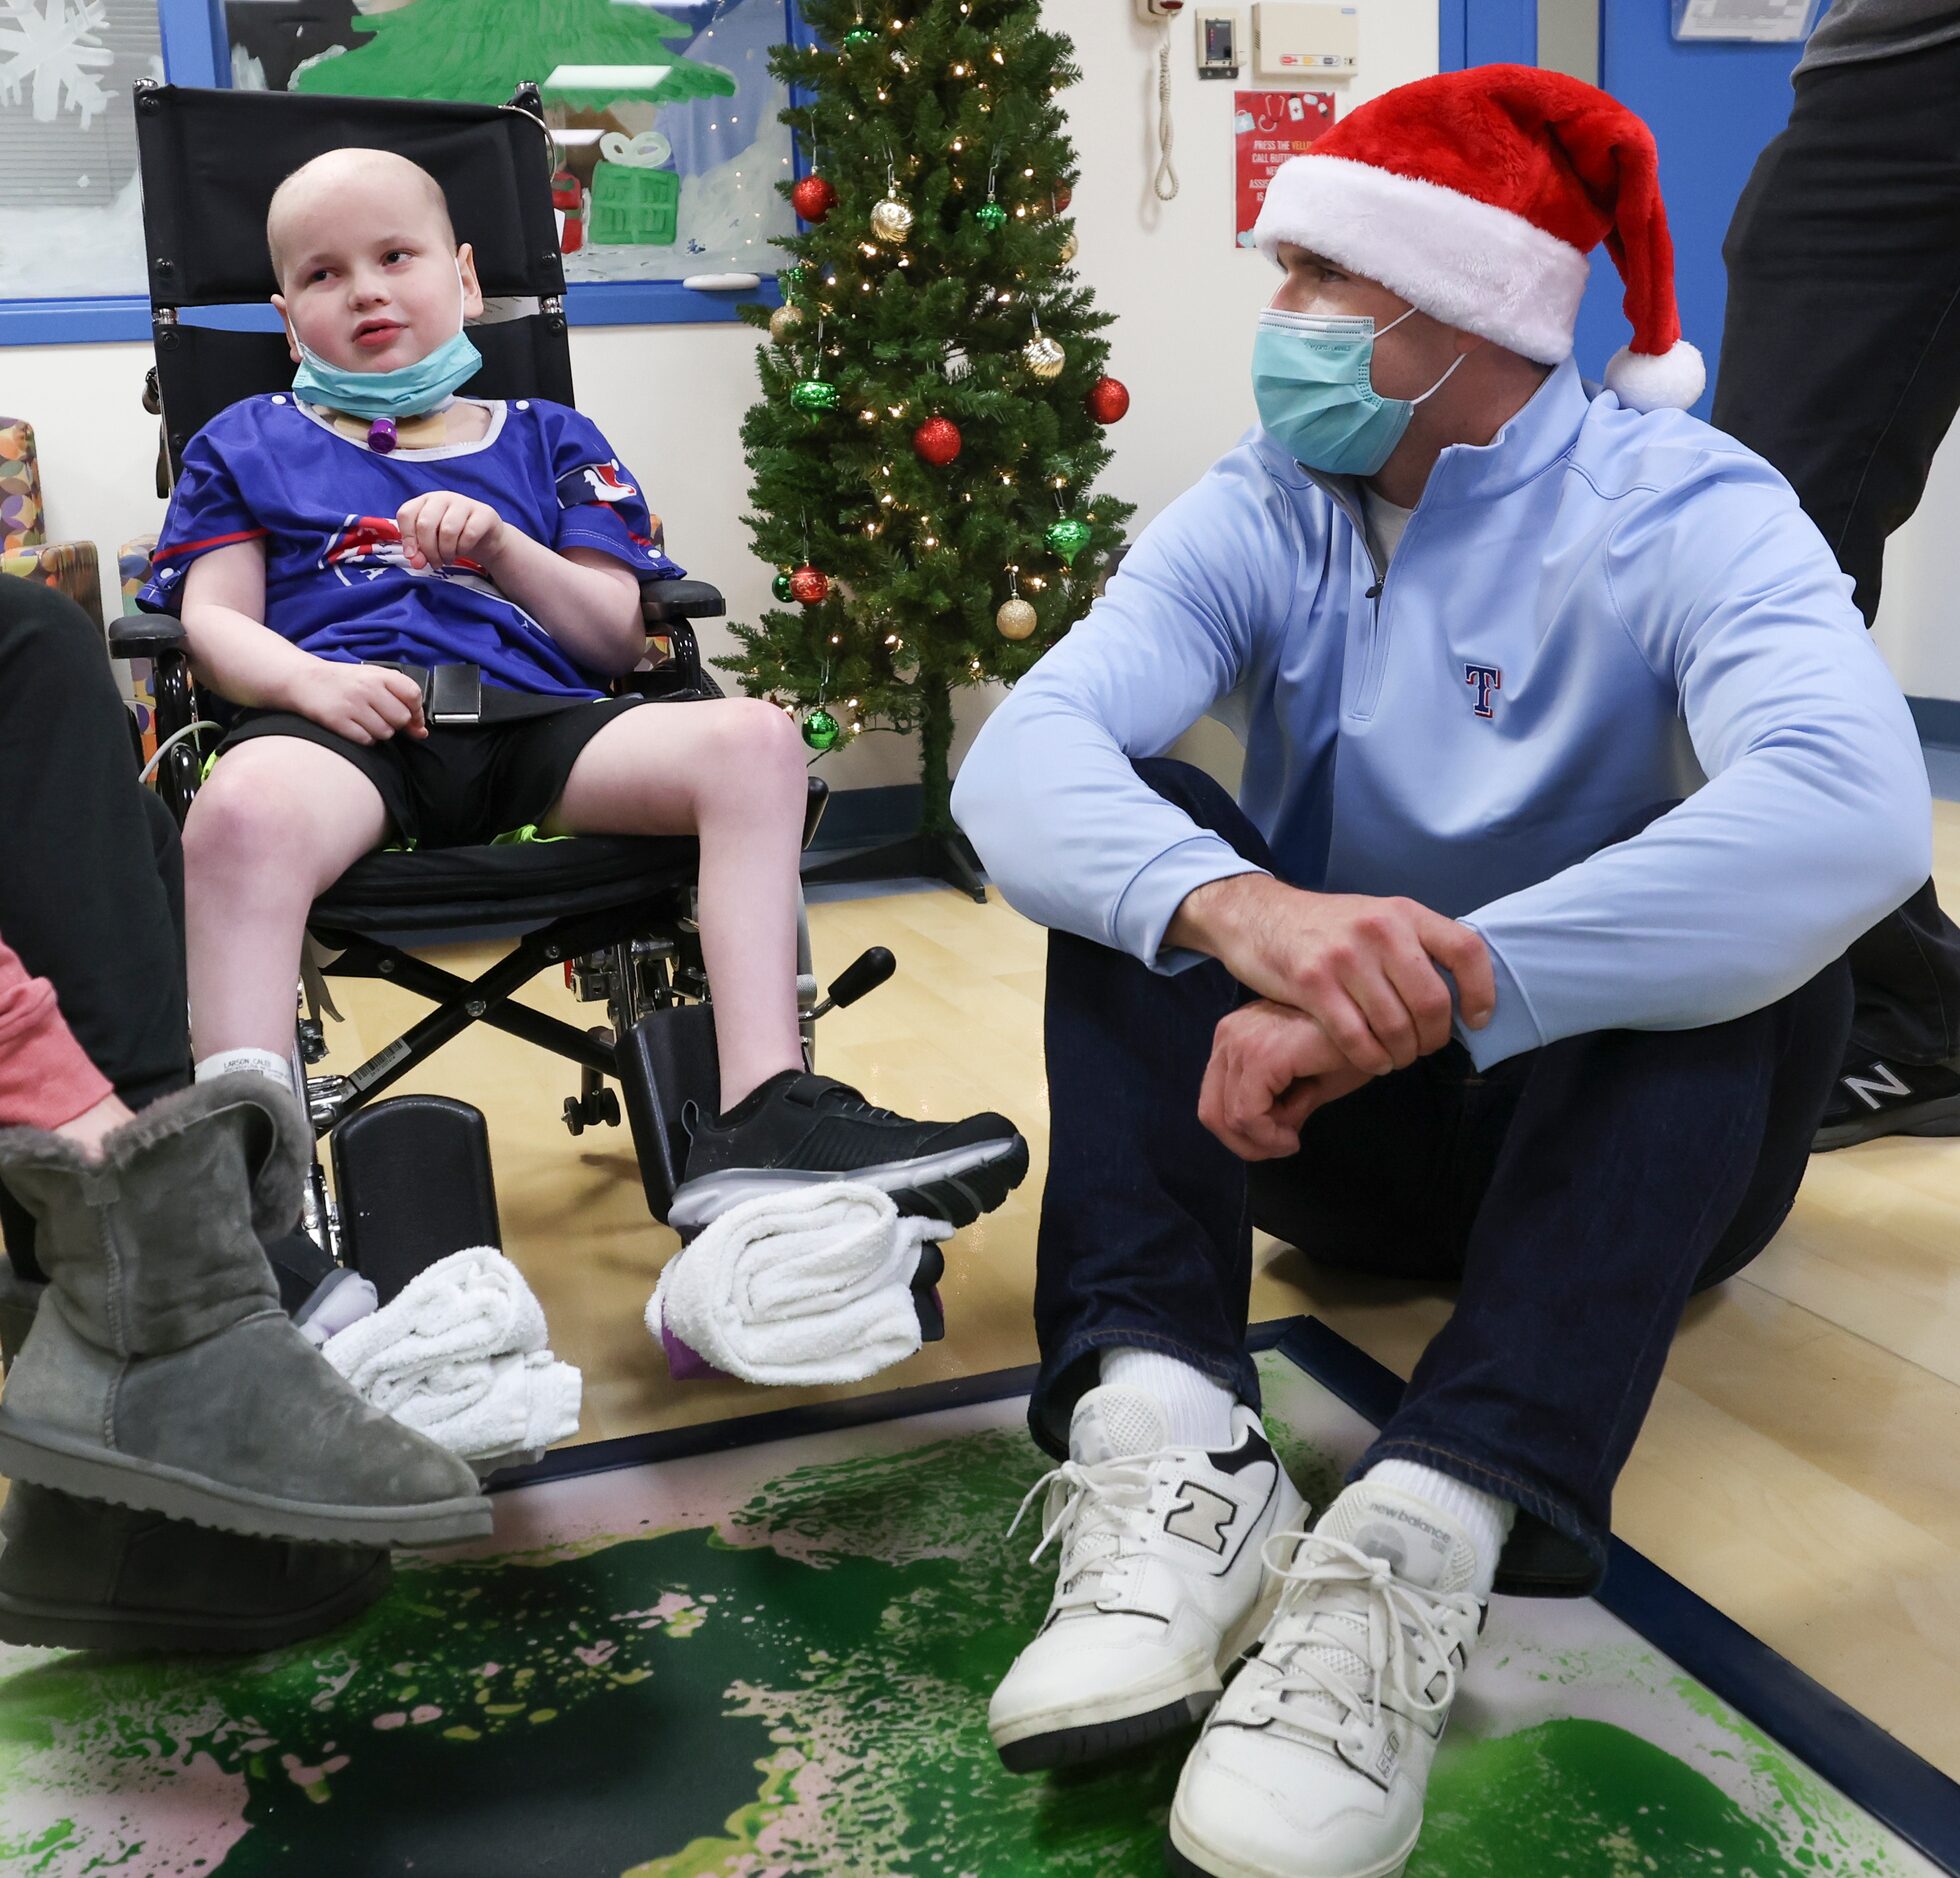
[1841,366]
[1579,1192]
[1145,1236]
[91,875]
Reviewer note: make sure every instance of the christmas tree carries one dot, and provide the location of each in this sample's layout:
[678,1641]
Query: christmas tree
[930,427]
[480,51]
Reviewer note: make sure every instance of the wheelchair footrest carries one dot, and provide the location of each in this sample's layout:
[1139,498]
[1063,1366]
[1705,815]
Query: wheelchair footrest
[666,1061]
[413,1183]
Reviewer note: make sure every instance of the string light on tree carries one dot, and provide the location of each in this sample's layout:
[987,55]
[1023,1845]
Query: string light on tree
[939,304]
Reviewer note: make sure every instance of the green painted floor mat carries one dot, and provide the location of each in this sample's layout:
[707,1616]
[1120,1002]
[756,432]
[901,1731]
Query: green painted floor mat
[776,1661]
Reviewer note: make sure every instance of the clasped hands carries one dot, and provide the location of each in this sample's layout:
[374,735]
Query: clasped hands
[1349,987]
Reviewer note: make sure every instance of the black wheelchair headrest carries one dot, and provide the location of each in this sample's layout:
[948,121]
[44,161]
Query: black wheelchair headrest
[211,160]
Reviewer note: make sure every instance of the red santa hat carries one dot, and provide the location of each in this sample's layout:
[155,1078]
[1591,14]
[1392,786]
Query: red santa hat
[1476,195]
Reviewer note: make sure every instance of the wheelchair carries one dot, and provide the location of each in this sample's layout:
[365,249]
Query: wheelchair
[614,914]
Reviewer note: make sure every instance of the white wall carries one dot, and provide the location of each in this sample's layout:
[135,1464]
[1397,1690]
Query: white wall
[1918,626]
[671,397]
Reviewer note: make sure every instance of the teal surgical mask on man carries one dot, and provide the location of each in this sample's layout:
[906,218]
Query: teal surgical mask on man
[1311,378]
[407,391]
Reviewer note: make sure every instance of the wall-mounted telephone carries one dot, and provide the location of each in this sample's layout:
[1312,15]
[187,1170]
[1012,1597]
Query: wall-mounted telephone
[1160,14]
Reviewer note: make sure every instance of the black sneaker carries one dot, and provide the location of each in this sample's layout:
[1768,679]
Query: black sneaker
[1873,1097]
[798,1129]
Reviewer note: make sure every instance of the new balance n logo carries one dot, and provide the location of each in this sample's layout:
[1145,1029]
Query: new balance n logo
[1883,1081]
[1202,1517]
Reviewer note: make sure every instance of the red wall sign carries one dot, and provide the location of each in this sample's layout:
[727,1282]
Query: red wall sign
[1267,128]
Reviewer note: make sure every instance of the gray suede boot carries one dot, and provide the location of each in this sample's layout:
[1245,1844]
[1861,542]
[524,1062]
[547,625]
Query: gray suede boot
[19,1300]
[161,1373]
[77,1575]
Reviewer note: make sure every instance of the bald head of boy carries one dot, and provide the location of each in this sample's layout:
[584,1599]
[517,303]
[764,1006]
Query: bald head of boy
[370,274]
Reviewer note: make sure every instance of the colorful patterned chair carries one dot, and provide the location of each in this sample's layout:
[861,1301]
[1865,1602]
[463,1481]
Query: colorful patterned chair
[133,569]
[25,548]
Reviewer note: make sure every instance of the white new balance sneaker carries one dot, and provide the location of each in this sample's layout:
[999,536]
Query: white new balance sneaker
[1315,1760]
[1158,1585]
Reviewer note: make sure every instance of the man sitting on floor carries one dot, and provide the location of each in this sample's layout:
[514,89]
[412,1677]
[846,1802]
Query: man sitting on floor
[1569,776]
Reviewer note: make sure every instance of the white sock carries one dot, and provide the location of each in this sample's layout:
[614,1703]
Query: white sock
[1197,1411]
[278,1069]
[1485,1517]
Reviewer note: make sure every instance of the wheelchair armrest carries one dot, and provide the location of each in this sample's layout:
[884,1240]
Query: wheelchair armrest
[146,636]
[662,601]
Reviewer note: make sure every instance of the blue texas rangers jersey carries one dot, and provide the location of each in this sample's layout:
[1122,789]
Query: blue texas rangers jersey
[338,583]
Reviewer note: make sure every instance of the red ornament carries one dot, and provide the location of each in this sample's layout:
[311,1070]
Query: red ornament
[809,585]
[813,198]
[937,440]
[1108,399]
[1064,195]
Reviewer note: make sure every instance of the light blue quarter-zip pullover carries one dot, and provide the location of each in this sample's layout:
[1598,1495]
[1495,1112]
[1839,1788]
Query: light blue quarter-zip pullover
[1611,705]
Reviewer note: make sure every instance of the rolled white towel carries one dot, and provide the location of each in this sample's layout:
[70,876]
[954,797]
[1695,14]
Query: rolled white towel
[812,1285]
[468,1307]
[511,1403]
[461,1357]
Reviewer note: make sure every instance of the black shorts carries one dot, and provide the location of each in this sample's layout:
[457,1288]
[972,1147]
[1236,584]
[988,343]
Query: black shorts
[463,783]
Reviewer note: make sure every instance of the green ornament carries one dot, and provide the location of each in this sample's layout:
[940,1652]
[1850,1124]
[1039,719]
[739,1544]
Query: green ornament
[780,587]
[815,395]
[1068,538]
[990,216]
[792,280]
[856,37]
[821,730]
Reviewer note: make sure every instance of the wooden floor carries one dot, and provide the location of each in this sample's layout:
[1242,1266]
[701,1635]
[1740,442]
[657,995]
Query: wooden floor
[1801,1467]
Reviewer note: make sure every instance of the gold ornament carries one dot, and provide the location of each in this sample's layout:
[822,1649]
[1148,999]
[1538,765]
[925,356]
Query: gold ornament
[785,323]
[1069,248]
[1043,356]
[891,221]
[1016,619]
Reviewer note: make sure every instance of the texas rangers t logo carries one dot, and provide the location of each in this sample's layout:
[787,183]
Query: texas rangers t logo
[1483,680]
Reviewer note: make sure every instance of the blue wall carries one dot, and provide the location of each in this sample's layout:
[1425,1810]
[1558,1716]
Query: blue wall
[1712,108]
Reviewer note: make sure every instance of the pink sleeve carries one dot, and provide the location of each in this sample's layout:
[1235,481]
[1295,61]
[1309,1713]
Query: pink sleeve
[45,1077]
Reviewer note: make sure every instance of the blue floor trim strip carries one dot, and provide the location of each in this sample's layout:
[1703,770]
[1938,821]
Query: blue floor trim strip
[1871,1769]
[814,1418]
[1856,1756]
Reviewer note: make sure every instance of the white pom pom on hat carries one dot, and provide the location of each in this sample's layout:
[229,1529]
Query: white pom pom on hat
[1477,197]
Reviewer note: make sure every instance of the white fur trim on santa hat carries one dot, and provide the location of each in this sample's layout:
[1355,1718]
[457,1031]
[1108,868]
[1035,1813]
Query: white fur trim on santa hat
[1461,261]
[1657,381]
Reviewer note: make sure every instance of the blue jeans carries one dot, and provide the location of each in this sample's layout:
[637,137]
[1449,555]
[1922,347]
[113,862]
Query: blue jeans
[1577,1194]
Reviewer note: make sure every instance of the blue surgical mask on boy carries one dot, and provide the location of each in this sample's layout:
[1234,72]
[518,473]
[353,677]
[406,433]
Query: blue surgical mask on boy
[1316,397]
[407,391]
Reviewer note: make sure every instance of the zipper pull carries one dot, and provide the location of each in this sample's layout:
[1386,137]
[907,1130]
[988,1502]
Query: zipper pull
[1375,592]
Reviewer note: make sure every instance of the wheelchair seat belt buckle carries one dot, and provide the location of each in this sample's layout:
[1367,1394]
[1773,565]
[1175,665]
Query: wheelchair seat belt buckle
[454,694]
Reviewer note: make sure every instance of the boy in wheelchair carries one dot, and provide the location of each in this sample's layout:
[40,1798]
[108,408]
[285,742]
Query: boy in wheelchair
[418,601]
